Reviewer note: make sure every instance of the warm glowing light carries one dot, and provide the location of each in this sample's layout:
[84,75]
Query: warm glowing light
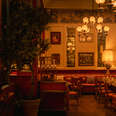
[100,1]
[89,38]
[79,28]
[68,48]
[100,20]
[106,28]
[72,38]
[69,44]
[85,28]
[88,30]
[92,19]
[85,20]
[107,56]
[73,48]
[114,3]
[26,67]
[99,27]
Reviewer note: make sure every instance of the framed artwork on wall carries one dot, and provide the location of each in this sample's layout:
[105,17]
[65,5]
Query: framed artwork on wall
[86,59]
[55,37]
[55,58]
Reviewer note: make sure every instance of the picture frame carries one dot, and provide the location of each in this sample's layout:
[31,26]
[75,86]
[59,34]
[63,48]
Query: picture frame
[55,58]
[86,59]
[55,37]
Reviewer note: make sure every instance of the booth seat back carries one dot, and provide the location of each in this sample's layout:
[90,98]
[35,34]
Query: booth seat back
[52,85]
[53,95]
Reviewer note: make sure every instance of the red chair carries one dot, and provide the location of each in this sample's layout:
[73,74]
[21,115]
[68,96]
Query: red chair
[74,91]
[83,79]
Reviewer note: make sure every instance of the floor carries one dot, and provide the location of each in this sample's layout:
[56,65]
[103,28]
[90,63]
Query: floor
[87,106]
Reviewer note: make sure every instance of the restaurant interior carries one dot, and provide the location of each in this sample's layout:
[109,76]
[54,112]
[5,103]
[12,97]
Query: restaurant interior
[70,69]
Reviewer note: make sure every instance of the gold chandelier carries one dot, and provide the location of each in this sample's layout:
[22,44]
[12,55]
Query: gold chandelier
[93,24]
[110,4]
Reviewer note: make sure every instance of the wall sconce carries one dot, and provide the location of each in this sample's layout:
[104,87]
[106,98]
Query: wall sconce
[107,58]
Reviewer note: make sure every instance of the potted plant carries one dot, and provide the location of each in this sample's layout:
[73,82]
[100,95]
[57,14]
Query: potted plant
[23,42]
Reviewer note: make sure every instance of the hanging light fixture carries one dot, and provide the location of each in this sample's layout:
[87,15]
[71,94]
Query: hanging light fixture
[90,24]
[100,1]
[110,4]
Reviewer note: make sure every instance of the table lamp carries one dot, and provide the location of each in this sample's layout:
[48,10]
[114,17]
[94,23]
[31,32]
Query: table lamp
[107,58]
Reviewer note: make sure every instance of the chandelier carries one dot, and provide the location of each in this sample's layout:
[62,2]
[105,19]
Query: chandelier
[110,4]
[92,24]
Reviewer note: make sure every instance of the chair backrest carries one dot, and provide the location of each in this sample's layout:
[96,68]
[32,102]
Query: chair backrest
[68,78]
[83,79]
[52,86]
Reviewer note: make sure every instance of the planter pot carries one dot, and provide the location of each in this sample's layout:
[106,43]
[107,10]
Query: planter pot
[31,107]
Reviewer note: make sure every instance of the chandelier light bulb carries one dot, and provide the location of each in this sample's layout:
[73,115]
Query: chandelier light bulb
[100,1]
[114,3]
[99,27]
[89,38]
[100,20]
[85,20]
[79,28]
[73,48]
[88,30]
[92,19]
[84,28]
[106,28]
[69,44]
[68,49]
[72,39]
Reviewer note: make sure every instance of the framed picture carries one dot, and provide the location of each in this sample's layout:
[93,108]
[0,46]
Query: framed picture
[86,59]
[55,58]
[55,37]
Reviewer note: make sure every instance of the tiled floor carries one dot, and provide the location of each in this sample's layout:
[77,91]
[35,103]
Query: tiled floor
[88,106]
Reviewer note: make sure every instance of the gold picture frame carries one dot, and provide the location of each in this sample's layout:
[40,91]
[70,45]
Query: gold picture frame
[55,37]
[86,59]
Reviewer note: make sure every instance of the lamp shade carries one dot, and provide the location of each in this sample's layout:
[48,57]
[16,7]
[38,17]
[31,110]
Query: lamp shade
[114,3]
[107,56]
[100,1]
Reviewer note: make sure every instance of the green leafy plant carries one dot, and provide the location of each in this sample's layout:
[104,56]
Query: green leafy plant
[23,42]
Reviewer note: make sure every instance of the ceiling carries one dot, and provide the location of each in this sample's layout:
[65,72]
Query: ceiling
[70,4]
